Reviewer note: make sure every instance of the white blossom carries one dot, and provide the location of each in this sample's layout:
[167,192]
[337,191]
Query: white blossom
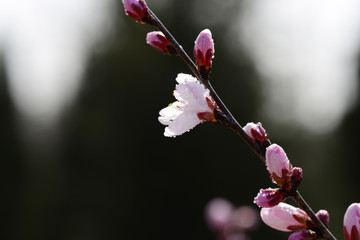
[193,106]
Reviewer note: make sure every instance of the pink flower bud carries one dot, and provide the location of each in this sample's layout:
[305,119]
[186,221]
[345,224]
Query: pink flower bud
[352,222]
[303,235]
[324,217]
[284,217]
[297,174]
[138,10]
[247,129]
[204,51]
[269,197]
[158,40]
[256,132]
[278,165]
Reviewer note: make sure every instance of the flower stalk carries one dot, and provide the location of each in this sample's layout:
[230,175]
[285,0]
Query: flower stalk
[325,233]
[228,120]
[224,116]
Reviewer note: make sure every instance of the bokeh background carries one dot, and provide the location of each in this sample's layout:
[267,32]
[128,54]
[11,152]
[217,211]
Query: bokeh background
[84,157]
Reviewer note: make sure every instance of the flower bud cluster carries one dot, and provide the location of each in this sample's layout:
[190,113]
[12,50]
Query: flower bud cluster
[277,163]
[274,212]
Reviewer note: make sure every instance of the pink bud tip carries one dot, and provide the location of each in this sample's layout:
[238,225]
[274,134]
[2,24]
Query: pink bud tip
[324,217]
[204,50]
[303,235]
[278,165]
[256,132]
[138,10]
[352,222]
[284,217]
[297,174]
[158,40]
[269,197]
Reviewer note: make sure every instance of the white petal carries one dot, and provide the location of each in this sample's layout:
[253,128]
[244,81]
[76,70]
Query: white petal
[193,95]
[182,78]
[182,115]
[183,123]
[170,113]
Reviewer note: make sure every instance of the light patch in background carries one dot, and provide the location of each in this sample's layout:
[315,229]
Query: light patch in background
[159,5]
[213,12]
[46,44]
[306,52]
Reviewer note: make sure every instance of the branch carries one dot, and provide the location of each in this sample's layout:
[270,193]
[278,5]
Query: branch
[230,122]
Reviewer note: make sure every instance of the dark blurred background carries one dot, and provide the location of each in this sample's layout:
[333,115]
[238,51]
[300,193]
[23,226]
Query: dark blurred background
[103,169]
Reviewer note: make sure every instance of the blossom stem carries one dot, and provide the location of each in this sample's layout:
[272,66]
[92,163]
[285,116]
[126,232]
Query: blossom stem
[179,49]
[232,123]
[235,126]
[319,225]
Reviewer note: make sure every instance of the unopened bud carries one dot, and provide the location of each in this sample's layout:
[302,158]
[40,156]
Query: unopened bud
[158,40]
[352,222]
[324,217]
[256,132]
[284,217]
[278,166]
[304,234]
[269,197]
[296,177]
[204,52]
[297,174]
[138,10]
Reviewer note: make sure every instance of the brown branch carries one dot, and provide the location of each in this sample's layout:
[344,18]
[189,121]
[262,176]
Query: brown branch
[230,122]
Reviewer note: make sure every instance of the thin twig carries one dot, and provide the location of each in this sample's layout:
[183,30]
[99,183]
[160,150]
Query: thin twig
[233,124]
[320,225]
[179,49]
